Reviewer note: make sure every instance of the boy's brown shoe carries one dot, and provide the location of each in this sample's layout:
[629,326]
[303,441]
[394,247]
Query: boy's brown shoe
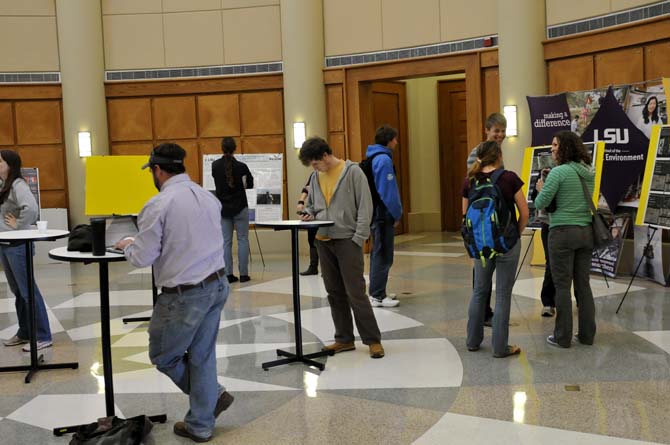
[376,350]
[339,347]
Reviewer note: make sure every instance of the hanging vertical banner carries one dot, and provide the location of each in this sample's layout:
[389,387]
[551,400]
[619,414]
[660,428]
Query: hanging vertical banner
[584,105]
[548,115]
[647,107]
[625,152]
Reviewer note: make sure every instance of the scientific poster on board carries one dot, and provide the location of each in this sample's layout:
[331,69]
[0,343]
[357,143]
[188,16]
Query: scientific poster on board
[265,199]
[32,177]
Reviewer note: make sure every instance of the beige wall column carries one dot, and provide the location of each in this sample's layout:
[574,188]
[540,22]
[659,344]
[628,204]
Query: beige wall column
[521,30]
[304,92]
[82,73]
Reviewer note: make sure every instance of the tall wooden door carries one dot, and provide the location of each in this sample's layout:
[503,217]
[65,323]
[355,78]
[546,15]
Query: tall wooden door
[389,106]
[454,150]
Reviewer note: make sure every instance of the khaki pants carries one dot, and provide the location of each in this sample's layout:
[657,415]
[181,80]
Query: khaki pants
[342,270]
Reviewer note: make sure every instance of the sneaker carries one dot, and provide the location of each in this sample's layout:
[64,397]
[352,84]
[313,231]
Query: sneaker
[232,278]
[339,347]
[392,296]
[40,345]
[552,341]
[223,403]
[244,278]
[548,311]
[180,430]
[376,350]
[386,302]
[15,341]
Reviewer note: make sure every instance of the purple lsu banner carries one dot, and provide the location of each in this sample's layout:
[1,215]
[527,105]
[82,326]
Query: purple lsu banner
[548,115]
[625,151]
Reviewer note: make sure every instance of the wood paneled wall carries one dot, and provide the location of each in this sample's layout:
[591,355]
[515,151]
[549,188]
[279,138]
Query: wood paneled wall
[625,54]
[197,114]
[31,123]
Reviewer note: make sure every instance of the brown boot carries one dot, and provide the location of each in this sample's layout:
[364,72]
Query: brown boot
[339,347]
[180,430]
[376,350]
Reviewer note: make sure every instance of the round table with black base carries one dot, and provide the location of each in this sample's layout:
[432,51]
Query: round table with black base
[294,226]
[27,237]
[62,254]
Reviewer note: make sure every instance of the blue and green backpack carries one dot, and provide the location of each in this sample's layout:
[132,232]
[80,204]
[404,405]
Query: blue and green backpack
[488,226]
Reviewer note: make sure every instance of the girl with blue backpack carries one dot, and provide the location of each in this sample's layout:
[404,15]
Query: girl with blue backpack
[491,232]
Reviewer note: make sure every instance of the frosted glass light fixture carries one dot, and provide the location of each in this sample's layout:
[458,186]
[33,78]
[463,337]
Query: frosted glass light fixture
[298,134]
[510,114]
[84,144]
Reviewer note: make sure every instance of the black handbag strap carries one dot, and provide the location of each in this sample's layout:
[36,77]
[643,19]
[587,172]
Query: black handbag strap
[587,195]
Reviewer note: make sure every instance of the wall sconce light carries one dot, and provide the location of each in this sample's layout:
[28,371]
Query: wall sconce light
[298,134]
[84,144]
[510,114]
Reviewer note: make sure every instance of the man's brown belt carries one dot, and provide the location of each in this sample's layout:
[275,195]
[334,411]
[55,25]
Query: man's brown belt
[219,274]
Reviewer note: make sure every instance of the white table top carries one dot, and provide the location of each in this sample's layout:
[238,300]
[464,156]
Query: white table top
[289,223]
[62,254]
[33,235]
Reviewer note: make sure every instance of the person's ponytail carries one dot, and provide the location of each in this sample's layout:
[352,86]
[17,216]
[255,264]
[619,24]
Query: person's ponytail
[488,153]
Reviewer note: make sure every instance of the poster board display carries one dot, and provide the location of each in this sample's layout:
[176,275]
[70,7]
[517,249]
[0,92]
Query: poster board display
[32,176]
[654,207]
[265,199]
[117,185]
[538,158]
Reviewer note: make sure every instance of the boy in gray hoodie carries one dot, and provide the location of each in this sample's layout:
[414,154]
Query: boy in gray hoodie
[340,193]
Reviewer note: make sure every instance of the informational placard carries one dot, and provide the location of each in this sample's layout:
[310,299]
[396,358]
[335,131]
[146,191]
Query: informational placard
[537,159]
[606,260]
[32,177]
[654,207]
[265,199]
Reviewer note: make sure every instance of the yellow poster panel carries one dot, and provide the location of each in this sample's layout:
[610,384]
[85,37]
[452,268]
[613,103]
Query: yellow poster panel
[648,173]
[117,185]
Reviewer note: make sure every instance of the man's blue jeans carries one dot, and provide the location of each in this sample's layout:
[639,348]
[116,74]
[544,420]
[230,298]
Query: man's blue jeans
[505,268]
[14,264]
[241,224]
[182,342]
[381,256]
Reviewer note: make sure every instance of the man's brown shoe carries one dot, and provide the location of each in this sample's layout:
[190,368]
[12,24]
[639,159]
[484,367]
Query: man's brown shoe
[339,347]
[376,350]
[225,400]
[180,430]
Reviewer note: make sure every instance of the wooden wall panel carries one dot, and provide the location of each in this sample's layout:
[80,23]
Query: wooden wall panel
[617,67]
[192,161]
[219,115]
[335,107]
[262,113]
[39,122]
[572,74]
[491,91]
[129,119]
[336,142]
[132,148]
[263,144]
[6,124]
[49,159]
[53,199]
[656,59]
[174,117]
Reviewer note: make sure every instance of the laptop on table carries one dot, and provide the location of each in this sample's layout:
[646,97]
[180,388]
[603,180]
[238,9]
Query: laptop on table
[120,227]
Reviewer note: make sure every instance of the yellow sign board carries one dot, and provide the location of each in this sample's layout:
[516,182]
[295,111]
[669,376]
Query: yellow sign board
[117,185]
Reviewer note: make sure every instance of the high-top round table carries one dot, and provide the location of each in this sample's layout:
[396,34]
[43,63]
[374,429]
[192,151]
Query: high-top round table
[62,254]
[294,226]
[27,237]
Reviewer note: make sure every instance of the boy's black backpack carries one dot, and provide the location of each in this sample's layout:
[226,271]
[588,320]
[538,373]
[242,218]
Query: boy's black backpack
[366,166]
[488,226]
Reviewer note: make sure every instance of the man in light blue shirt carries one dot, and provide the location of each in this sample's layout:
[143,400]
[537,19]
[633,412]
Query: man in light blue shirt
[180,235]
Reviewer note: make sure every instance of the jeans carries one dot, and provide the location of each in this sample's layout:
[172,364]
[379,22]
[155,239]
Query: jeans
[381,256]
[241,224]
[182,341]
[548,293]
[505,268]
[570,249]
[14,263]
[342,271]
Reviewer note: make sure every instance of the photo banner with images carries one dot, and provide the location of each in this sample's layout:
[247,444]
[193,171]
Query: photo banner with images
[537,159]
[625,152]
[654,209]
[265,199]
[32,177]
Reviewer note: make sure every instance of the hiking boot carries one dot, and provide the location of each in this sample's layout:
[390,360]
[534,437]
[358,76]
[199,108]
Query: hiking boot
[386,302]
[548,311]
[40,345]
[15,341]
[376,350]
[339,347]
[180,430]
[223,403]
